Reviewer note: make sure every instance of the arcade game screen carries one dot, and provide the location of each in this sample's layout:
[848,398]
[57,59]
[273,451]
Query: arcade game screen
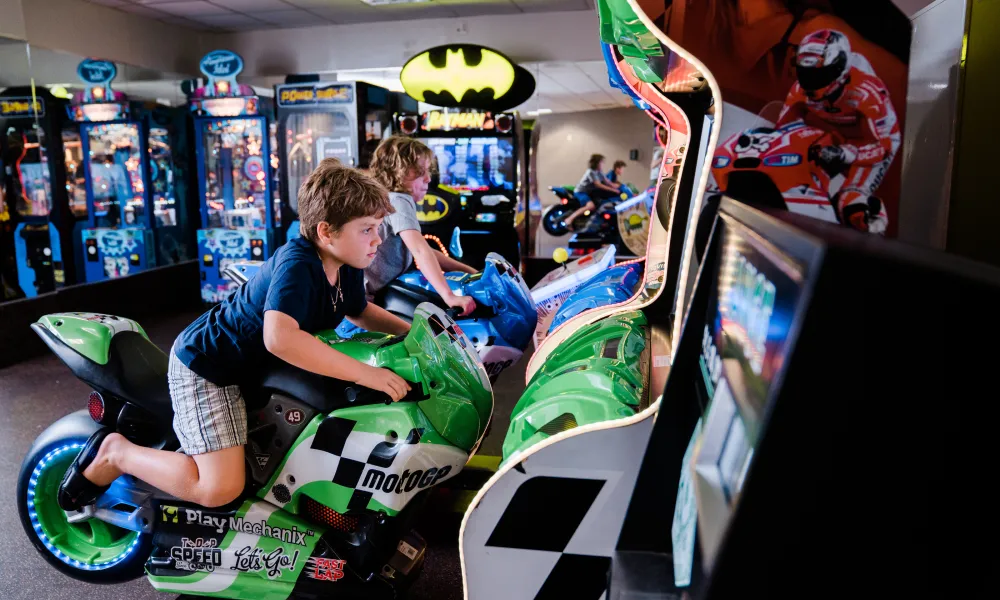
[76,183]
[752,302]
[474,164]
[26,153]
[311,137]
[235,173]
[116,173]
[161,177]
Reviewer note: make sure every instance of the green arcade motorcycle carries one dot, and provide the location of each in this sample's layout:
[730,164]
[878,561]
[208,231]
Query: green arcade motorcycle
[334,470]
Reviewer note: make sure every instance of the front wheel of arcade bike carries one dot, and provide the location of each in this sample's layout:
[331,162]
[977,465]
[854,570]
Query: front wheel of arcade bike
[91,550]
[552,220]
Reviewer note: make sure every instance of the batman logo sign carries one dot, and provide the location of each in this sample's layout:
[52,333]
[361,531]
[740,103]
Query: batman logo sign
[466,76]
[432,208]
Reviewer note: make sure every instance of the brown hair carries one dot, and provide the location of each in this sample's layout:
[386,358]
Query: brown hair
[395,157]
[595,161]
[336,194]
[618,163]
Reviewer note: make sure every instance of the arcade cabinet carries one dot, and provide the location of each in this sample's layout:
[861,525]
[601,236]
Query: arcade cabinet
[473,201]
[127,177]
[800,445]
[232,140]
[34,182]
[318,120]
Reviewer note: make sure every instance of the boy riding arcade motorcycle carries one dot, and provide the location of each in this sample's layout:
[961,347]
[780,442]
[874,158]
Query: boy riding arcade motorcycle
[332,468]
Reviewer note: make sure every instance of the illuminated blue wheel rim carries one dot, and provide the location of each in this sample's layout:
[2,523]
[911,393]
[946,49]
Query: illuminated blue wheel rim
[91,545]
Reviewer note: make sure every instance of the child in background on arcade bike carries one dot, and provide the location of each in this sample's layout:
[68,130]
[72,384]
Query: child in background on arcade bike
[403,165]
[615,174]
[596,186]
[837,90]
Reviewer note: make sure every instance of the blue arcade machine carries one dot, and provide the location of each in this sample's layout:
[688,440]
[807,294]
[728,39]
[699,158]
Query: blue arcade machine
[232,143]
[33,226]
[117,238]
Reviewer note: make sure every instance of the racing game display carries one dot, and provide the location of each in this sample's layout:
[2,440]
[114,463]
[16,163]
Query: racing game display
[473,164]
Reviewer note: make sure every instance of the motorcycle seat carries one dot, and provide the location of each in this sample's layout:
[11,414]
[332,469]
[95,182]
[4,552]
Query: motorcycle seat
[136,370]
[325,394]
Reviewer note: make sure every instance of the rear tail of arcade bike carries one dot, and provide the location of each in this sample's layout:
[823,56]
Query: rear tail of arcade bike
[333,470]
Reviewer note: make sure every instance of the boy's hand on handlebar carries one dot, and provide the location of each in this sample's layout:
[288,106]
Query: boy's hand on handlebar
[466,303]
[384,381]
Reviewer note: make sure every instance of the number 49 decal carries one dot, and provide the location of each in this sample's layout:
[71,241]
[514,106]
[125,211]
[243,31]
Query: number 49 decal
[294,416]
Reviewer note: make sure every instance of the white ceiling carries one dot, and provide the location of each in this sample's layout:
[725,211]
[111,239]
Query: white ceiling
[249,15]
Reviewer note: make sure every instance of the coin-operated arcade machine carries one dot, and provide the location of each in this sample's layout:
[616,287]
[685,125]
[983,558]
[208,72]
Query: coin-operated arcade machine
[232,140]
[473,200]
[474,204]
[320,119]
[39,227]
[127,177]
[782,456]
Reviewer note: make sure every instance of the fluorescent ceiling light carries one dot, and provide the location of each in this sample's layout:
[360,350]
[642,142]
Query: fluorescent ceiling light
[540,111]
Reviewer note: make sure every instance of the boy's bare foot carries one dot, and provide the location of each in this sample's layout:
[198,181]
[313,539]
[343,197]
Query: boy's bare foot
[103,470]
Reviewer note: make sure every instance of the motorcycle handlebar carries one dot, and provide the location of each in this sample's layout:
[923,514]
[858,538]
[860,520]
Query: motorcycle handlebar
[415,394]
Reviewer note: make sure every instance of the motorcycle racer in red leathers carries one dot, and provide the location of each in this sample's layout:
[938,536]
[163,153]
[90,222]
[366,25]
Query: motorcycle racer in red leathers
[839,88]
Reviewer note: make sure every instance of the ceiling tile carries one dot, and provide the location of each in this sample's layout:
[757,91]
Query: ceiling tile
[232,20]
[290,18]
[145,11]
[321,3]
[112,3]
[192,9]
[248,6]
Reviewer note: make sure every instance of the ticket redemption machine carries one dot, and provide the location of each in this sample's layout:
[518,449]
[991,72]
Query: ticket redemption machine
[318,120]
[232,140]
[118,170]
[34,237]
[473,202]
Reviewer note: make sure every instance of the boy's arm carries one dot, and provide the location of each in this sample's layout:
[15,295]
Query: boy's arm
[376,318]
[428,265]
[284,339]
[450,264]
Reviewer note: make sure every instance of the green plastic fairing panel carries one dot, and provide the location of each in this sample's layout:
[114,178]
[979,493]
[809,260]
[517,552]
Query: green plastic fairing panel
[597,374]
[89,333]
[640,47]
[622,337]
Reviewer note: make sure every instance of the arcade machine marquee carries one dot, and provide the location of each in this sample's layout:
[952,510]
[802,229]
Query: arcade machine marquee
[472,204]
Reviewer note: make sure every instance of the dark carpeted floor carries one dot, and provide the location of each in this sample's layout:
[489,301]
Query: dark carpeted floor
[35,393]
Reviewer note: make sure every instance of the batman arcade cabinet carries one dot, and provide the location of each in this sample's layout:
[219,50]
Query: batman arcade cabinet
[477,201]
[318,120]
[232,142]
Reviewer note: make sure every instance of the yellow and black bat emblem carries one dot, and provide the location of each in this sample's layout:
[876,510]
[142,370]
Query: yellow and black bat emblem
[432,208]
[457,70]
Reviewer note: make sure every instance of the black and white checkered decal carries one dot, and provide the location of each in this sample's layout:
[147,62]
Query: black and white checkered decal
[546,528]
[390,470]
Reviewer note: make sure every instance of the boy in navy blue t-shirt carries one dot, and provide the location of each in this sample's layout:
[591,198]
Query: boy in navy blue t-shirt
[310,284]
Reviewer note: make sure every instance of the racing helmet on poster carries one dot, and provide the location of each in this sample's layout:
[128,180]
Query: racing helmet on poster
[823,63]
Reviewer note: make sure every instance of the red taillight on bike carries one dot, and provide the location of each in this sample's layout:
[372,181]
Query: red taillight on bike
[329,517]
[607,216]
[565,200]
[95,406]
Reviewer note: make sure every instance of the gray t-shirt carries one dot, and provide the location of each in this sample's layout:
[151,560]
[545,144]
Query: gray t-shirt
[586,185]
[392,257]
